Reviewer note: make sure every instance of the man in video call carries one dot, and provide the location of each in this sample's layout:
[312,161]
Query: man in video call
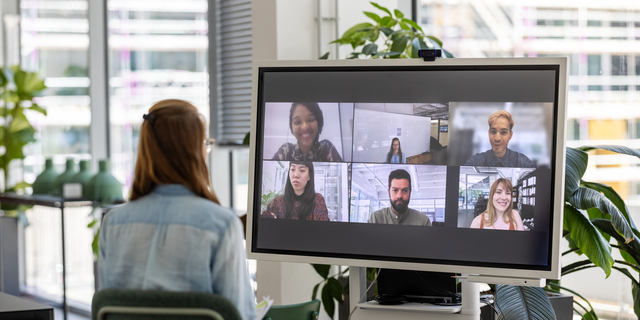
[399,195]
[500,132]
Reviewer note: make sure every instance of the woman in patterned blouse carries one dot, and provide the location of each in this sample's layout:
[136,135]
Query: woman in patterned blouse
[300,200]
[306,122]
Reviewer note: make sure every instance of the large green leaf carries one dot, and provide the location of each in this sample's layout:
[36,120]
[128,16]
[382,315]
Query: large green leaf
[616,149]
[399,44]
[3,79]
[387,22]
[336,289]
[37,108]
[585,198]
[436,40]
[523,303]
[398,13]
[381,8]
[635,291]
[357,28]
[588,239]
[327,300]
[413,24]
[574,170]
[633,247]
[370,49]
[322,269]
[613,196]
[373,16]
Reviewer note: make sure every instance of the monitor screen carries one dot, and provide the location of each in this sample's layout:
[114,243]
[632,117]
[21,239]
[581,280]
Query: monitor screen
[455,165]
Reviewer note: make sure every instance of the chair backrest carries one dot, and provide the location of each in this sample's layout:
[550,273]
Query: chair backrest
[120,304]
[301,311]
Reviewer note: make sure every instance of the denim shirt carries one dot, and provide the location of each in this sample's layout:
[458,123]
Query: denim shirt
[174,240]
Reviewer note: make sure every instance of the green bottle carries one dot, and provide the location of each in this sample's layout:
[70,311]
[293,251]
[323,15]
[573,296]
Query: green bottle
[83,176]
[63,178]
[44,181]
[103,186]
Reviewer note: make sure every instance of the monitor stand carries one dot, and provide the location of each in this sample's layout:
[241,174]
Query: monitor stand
[470,309]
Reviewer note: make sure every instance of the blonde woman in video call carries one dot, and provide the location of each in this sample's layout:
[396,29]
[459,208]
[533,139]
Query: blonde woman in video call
[500,213]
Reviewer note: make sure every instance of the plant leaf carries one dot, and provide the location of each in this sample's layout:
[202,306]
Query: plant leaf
[387,31]
[373,16]
[315,291]
[387,22]
[38,108]
[404,26]
[323,57]
[436,40]
[523,303]
[613,196]
[616,149]
[357,28]
[327,300]
[574,170]
[399,45]
[370,49]
[398,13]
[585,198]
[588,239]
[605,226]
[635,290]
[413,24]
[336,289]
[381,8]
[322,270]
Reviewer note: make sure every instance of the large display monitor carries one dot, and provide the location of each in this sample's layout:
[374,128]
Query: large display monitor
[455,165]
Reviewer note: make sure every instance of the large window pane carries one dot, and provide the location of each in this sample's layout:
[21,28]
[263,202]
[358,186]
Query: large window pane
[157,50]
[54,43]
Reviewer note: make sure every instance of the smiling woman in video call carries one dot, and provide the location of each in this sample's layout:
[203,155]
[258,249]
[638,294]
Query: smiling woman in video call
[500,213]
[300,200]
[173,234]
[500,132]
[306,122]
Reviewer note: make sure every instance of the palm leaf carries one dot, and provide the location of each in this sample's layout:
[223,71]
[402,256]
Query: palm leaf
[585,198]
[588,239]
[616,149]
[523,303]
[605,226]
[613,196]
[574,170]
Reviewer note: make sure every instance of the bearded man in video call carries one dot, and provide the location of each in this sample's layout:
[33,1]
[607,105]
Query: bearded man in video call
[399,195]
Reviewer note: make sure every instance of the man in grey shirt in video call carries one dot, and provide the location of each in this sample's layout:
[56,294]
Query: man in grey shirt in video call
[399,195]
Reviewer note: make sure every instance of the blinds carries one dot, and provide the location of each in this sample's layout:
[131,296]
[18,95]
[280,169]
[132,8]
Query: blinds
[234,69]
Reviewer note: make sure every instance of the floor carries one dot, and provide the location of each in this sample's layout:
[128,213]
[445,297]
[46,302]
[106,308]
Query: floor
[57,315]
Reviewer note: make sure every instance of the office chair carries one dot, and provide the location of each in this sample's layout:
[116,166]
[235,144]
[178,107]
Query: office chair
[301,311]
[120,304]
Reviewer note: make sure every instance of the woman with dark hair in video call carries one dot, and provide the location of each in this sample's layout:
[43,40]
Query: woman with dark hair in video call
[500,132]
[300,200]
[500,213]
[306,122]
[395,154]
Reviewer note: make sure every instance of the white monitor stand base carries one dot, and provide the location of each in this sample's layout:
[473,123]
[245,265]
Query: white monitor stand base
[470,309]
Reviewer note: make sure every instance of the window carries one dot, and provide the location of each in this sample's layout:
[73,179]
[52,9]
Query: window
[594,67]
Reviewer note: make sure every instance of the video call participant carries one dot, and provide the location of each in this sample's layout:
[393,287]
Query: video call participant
[306,122]
[399,195]
[395,154]
[300,200]
[173,234]
[500,213]
[500,132]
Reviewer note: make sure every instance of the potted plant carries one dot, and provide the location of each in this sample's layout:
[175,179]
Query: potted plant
[17,89]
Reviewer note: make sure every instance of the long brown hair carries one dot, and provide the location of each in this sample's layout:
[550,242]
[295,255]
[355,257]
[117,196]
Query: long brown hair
[171,150]
[492,216]
[390,154]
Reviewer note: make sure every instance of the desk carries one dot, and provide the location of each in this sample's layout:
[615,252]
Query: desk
[12,307]
[53,202]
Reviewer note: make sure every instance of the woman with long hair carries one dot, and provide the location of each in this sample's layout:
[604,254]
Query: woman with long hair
[173,234]
[300,200]
[306,122]
[500,213]
[395,154]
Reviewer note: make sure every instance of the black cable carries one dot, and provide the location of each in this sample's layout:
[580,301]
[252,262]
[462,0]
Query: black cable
[457,295]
